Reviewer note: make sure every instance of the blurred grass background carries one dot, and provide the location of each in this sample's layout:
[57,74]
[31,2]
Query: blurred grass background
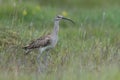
[89,50]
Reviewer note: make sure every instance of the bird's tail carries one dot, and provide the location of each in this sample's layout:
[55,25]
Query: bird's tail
[24,47]
[27,51]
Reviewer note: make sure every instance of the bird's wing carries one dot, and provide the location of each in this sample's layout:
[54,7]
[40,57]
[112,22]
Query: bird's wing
[41,42]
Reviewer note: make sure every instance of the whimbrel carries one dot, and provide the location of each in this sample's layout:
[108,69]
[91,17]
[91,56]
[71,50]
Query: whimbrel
[46,42]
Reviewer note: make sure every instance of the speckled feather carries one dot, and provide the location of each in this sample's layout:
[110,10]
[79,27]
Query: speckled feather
[41,42]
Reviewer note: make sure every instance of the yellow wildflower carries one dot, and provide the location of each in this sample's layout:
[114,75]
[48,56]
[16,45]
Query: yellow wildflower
[24,13]
[64,13]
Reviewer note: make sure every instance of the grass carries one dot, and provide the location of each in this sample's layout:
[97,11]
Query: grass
[88,50]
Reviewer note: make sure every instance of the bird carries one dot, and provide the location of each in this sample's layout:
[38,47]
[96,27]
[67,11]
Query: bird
[47,42]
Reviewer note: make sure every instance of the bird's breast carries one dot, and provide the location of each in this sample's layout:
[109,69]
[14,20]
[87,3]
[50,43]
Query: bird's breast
[54,41]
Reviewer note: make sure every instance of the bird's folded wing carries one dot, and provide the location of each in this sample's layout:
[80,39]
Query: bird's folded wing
[41,42]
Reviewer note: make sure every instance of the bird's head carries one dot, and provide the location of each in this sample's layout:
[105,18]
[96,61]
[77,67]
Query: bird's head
[60,17]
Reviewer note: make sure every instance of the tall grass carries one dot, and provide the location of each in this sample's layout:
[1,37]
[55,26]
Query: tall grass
[88,50]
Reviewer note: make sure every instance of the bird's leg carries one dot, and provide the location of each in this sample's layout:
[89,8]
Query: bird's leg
[38,60]
[39,55]
[45,56]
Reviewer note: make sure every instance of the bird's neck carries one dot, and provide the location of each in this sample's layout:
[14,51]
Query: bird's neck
[56,28]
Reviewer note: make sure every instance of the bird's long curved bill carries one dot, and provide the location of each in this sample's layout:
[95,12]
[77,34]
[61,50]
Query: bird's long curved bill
[68,20]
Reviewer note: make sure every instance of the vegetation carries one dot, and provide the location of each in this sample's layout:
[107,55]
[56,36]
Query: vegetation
[88,50]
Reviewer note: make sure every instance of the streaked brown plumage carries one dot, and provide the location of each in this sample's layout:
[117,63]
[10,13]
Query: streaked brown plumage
[38,43]
[41,42]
